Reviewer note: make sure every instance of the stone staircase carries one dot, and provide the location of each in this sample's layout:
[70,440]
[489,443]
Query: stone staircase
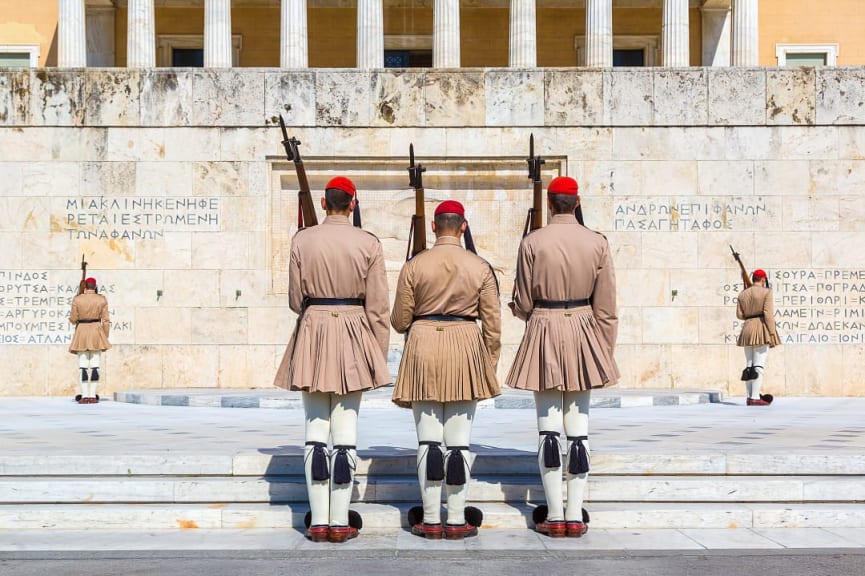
[168,490]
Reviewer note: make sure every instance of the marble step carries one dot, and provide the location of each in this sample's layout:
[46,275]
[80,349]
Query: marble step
[390,489]
[635,516]
[402,462]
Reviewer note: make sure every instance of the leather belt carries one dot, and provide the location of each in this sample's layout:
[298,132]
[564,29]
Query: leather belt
[334,302]
[89,321]
[754,316]
[444,318]
[562,303]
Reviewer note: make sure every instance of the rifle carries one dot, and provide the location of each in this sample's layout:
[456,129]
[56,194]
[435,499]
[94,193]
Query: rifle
[306,211]
[82,285]
[417,232]
[535,214]
[745,279]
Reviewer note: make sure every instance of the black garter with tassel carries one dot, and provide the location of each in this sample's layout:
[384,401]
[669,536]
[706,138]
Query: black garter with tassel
[435,466]
[552,451]
[578,457]
[320,470]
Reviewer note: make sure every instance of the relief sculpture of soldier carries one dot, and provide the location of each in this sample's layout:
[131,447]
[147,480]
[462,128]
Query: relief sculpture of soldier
[566,291]
[338,287]
[759,333]
[448,364]
[89,314]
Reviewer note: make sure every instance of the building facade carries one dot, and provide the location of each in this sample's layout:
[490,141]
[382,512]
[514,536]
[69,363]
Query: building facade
[173,183]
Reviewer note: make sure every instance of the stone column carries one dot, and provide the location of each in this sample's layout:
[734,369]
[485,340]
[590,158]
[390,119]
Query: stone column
[523,44]
[370,34]
[675,34]
[745,33]
[71,39]
[217,33]
[599,33]
[140,35]
[293,50]
[446,34]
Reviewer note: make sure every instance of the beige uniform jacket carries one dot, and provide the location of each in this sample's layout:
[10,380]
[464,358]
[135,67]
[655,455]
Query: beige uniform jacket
[448,279]
[754,306]
[338,260]
[567,261]
[90,336]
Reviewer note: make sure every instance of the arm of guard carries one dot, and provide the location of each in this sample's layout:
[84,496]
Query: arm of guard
[105,320]
[604,299]
[73,313]
[769,315]
[403,305]
[490,314]
[523,302]
[377,306]
[740,310]
[295,294]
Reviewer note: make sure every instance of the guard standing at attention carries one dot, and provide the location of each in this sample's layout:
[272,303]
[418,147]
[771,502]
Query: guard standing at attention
[759,333]
[448,364]
[89,314]
[338,287]
[566,292]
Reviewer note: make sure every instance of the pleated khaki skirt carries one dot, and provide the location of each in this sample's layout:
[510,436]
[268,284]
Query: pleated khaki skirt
[562,349]
[332,350]
[444,362]
[756,333]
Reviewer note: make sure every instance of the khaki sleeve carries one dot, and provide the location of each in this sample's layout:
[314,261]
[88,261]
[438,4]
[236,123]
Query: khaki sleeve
[604,299]
[490,314]
[740,310]
[769,315]
[295,293]
[523,302]
[403,305]
[74,314]
[377,306]
[104,317]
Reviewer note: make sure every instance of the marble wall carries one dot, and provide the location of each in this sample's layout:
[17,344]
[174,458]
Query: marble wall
[174,186]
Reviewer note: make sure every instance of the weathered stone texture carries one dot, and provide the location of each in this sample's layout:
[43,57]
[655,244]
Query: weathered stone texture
[737,96]
[514,97]
[680,97]
[343,98]
[454,99]
[574,97]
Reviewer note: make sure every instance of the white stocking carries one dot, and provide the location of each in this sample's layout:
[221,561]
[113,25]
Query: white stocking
[428,419]
[343,427]
[457,432]
[316,405]
[548,406]
[576,421]
[756,356]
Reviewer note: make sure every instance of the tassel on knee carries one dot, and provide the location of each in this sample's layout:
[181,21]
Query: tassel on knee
[320,470]
[435,470]
[578,456]
[341,466]
[456,475]
[552,451]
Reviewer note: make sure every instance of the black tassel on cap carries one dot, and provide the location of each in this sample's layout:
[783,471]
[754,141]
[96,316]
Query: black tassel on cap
[341,465]
[356,216]
[578,458]
[552,451]
[435,465]
[470,242]
[320,470]
[456,466]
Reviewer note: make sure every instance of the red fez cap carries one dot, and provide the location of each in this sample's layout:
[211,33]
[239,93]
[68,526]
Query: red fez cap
[342,183]
[450,207]
[759,273]
[563,185]
[90,280]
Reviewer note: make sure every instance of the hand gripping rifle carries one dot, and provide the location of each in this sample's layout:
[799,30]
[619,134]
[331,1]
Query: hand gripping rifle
[417,232]
[306,211]
[82,285]
[746,280]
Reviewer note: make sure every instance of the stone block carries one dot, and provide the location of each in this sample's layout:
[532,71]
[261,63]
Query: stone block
[851,142]
[783,249]
[56,96]
[138,366]
[679,97]
[292,94]
[837,177]
[191,288]
[107,178]
[716,325]
[245,364]
[10,178]
[514,97]
[220,179]
[699,365]
[227,98]
[166,97]
[162,326]
[27,369]
[112,97]
[626,249]
[221,250]
[15,97]
[812,213]
[836,249]
[817,368]
[397,98]
[454,98]
[751,143]
[628,97]
[190,366]
[219,325]
[577,142]
[808,516]
[131,144]
[50,179]
[840,95]
[851,375]
[672,143]
[737,96]
[250,144]
[678,489]
[646,365]
[630,318]
[643,287]
[782,177]
[255,292]
[697,289]
[671,325]
[573,97]
[807,142]
[193,144]
[342,98]
[162,179]
[725,178]
[670,250]
[791,96]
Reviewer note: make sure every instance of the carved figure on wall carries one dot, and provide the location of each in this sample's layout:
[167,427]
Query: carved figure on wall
[759,333]
[90,316]
[338,287]
[448,364]
[565,290]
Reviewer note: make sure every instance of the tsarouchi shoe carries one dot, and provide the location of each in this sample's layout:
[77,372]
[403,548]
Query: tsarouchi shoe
[460,531]
[318,533]
[340,534]
[575,529]
[757,402]
[428,531]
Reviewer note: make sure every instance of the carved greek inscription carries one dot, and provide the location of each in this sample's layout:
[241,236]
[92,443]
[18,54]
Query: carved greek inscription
[138,218]
[683,215]
[34,308]
[812,306]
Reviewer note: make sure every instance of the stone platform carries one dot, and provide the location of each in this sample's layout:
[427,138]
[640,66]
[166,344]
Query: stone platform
[716,469]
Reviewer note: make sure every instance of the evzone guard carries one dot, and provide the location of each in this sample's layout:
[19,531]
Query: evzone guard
[90,316]
[448,364]
[565,290]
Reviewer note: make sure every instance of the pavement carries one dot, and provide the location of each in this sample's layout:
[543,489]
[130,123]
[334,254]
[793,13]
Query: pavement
[53,427]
